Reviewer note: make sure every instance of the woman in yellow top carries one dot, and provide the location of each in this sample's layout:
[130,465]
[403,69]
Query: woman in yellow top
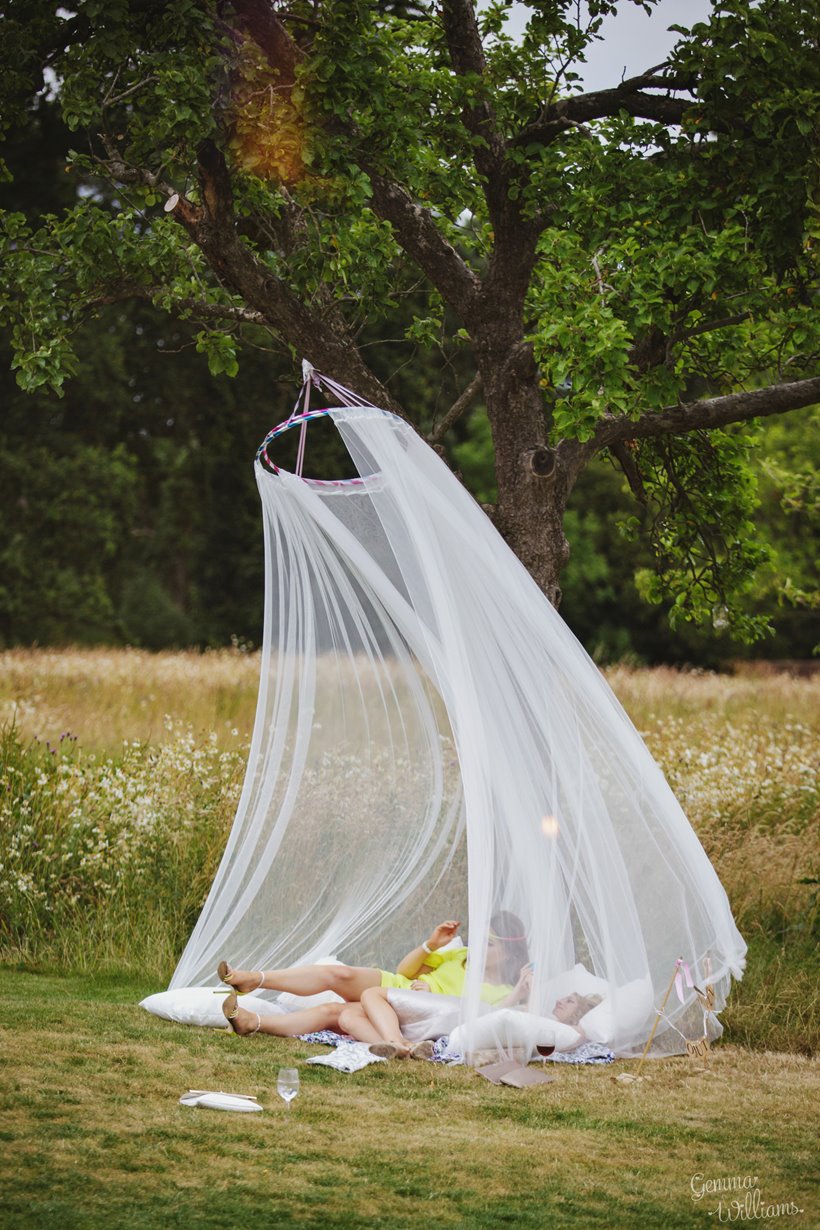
[507,974]
[425,968]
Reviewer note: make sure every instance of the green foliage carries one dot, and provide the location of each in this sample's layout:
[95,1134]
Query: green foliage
[220,349]
[790,520]
[130,511]
[150,68]
[674,261]
[702,499]
[61,532]
[616,555]
[148,616]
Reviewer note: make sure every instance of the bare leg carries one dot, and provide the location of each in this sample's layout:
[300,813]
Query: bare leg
[346,980]
[284,1024]
[383,1018]
[353,1020]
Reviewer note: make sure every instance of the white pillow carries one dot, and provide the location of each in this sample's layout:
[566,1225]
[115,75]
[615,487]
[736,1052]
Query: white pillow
[200,1006]
[455,942]
[508,1028]
[577,979]
[621,1014]
[424,1014]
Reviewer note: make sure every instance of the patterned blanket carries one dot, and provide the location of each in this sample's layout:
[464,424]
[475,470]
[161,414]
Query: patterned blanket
[587,1052]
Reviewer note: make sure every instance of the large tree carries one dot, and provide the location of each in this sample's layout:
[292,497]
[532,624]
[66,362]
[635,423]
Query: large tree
[628,270]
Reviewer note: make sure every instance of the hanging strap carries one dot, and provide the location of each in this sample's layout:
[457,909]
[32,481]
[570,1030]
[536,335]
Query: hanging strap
[312,379]
[301,412]
[308,380]
[300,452]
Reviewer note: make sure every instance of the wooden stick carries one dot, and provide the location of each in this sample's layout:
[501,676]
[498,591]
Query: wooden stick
[659,1014]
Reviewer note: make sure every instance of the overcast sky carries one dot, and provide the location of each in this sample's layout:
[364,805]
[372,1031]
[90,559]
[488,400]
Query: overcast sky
[632,41]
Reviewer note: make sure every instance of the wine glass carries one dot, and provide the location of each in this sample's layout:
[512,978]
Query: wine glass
[287,1085]
[545,1052]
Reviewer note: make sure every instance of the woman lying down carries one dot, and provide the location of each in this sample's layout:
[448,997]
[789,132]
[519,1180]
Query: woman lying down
[367,1013]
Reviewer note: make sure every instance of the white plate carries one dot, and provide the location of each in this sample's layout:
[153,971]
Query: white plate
[219,1101]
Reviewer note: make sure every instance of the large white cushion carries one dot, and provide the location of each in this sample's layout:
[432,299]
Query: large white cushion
[424,1014]
[621,1014]
[509,1028]
[200,1006]
[577,979]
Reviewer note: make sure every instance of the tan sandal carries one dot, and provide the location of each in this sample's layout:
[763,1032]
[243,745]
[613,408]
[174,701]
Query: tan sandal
[388,1050]
[224,973]
[422,1050]
[230,1009]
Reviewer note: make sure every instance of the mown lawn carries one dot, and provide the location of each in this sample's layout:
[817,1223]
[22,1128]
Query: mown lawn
[93,1134]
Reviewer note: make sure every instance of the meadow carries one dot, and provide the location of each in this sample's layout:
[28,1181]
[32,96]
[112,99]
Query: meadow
[120,774]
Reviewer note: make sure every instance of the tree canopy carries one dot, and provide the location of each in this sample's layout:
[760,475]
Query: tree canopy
[629,271]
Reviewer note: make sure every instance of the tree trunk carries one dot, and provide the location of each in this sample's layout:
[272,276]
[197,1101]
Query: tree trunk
[533,482]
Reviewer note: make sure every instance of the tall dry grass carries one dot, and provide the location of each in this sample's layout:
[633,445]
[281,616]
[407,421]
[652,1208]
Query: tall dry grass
[104,696]
[742,755]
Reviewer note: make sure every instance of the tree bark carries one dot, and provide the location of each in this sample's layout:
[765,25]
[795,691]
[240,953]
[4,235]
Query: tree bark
[534,483]
[709,412]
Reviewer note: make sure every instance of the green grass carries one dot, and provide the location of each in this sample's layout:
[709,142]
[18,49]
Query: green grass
[93,1135]
[777,1005]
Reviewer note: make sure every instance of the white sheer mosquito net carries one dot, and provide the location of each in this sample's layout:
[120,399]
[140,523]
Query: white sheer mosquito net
[431,742]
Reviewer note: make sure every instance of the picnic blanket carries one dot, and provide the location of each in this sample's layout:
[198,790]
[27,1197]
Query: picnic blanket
[587,1052]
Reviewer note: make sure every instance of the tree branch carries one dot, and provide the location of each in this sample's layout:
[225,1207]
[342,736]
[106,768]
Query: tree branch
[426,246]
[467,56]
[708,413]
[197,307]
[414,226]
[459,406]
[711,326]
[623,455]
[313,334]
[628,96]
[212,226]
[262,24]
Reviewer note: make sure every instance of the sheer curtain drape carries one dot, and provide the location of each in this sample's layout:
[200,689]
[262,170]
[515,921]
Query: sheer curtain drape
[431,741]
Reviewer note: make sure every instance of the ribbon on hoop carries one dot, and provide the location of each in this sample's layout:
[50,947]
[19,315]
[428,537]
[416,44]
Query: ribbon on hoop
[683,975]
[309,380]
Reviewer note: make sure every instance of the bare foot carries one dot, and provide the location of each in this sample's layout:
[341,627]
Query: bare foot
[242,980]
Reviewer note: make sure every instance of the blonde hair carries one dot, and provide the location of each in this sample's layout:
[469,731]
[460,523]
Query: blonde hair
[585,1004]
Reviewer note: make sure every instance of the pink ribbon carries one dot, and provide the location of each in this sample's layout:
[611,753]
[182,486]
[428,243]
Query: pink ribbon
[683,974]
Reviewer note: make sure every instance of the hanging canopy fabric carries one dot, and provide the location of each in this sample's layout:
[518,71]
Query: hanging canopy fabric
[431,742]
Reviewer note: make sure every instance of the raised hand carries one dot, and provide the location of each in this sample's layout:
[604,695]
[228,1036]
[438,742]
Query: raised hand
[524,985]
[443,933]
